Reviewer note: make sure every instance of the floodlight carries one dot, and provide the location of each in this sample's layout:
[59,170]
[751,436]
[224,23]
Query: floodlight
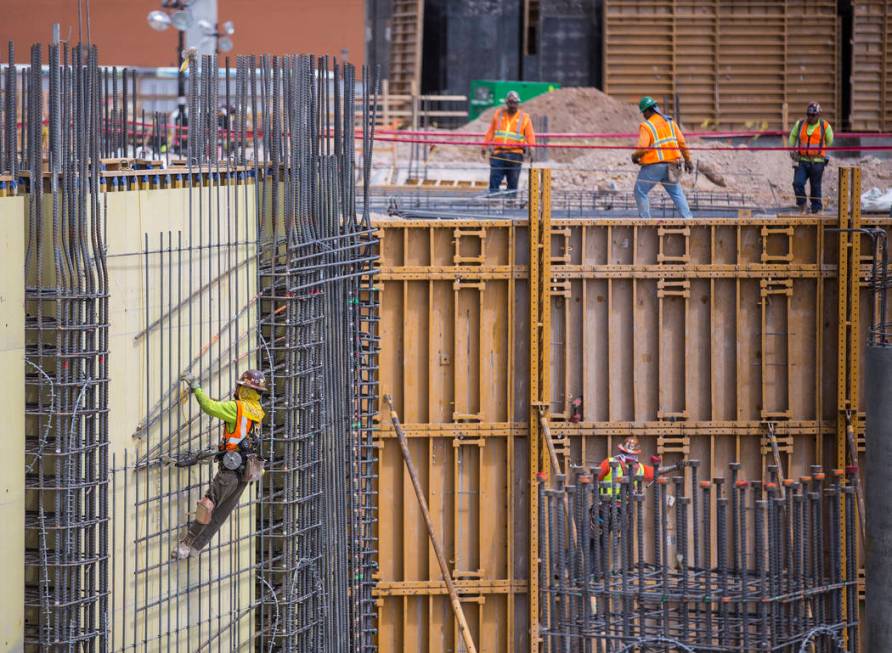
[158,20]
[182,20]
[228,28]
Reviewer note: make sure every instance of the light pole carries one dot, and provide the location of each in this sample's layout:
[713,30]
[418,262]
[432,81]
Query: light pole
[175,13]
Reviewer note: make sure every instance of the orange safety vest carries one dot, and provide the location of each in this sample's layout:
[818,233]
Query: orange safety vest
[664,141]
[510,131]
[812,145]
[241,429]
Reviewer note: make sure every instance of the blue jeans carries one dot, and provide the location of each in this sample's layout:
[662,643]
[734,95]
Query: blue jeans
[650,176]
[504,165]
[812,173]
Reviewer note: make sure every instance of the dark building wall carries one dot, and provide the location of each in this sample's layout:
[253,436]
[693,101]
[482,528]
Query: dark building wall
[482,42]
[377,35]
[483,39]
[567,44]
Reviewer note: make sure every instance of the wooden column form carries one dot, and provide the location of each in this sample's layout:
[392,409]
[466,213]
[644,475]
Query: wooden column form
[849,203]
[540,317]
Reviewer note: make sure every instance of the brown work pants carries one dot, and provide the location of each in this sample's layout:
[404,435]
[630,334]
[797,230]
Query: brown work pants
[225,491]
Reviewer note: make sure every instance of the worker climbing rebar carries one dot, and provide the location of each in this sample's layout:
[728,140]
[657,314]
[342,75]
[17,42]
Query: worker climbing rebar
[236,457]
[661,148]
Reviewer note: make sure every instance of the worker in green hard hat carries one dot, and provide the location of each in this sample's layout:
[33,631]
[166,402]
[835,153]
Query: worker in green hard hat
[660,151]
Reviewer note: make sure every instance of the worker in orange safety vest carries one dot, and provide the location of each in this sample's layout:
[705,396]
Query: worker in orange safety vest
[507,140]
[810,138]
[660,150]
[236,457]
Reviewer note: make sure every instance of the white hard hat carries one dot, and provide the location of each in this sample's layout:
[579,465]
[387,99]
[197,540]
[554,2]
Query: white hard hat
[512,96]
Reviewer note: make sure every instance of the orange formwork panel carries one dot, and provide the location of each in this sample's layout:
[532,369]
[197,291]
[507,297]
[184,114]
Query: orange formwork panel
[697,336]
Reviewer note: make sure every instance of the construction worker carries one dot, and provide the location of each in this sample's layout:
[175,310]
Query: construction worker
[810,137]
[507,141]
[661,148]
[238,463]
[625,463]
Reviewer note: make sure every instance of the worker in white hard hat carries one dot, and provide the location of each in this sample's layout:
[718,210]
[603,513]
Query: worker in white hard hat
[810,138]
[507,141]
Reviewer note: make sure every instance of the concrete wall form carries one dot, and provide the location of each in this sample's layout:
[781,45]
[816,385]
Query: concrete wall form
[693,335]
[732,64]
[187,306]
[12,387]
[872,66]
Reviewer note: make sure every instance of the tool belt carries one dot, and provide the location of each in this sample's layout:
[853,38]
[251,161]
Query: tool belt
[250,465]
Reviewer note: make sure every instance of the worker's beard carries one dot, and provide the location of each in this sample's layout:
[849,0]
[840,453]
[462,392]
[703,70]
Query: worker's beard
[511,110]
[628,458]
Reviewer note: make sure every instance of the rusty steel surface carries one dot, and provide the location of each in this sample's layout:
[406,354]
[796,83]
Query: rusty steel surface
[699,336]
[743,64]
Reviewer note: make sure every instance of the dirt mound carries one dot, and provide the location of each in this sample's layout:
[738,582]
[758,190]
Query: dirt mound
[574,110]
[579,109]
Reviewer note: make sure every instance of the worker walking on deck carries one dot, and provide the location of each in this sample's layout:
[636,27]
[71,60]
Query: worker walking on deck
[810,137]
[507,140]
[661,148]
[237,460]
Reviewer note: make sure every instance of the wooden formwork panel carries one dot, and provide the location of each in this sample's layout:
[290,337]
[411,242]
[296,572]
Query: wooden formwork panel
[693,335]
[452,321]
[871,66]
[740,64]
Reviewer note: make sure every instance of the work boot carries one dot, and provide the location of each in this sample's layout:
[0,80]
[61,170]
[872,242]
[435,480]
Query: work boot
[204,511]
[181,551]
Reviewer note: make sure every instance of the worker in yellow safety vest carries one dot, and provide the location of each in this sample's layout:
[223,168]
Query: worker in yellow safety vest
[235,455]
[660,150]
[626,462]
[507,140]
[810,138]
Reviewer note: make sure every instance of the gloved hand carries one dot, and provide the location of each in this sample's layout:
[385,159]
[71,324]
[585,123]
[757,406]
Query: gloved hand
[190,380]
[795,156]
[688,166]
[483,152]
[635,158]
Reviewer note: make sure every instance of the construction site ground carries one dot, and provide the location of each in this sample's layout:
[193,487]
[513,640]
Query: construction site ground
[762,177]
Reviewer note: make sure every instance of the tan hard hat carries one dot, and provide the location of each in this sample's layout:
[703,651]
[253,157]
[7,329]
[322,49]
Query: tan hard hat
[631,446]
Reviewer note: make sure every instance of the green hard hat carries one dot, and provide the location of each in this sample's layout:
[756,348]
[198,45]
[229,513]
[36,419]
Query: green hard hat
[647,102]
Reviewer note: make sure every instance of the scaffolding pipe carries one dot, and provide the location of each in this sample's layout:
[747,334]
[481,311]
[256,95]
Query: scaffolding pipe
[438,548]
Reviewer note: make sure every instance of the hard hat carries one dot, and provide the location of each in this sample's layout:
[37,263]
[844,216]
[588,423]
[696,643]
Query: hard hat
[645,103]
[253,379]
[813,109]
[512,97]
[630,446]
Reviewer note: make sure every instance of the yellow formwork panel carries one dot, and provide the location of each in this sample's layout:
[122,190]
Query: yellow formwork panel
[12,389]
[693,335]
